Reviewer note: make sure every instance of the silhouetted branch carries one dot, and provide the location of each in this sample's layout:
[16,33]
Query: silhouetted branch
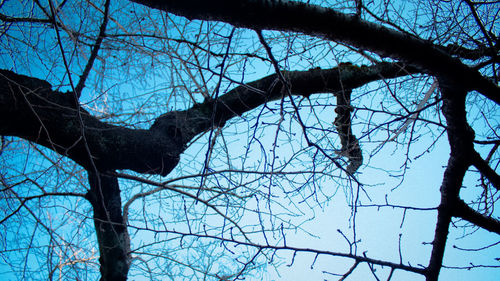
[486,170]
[334,26]
[460,137]
[462,210]
[95,49]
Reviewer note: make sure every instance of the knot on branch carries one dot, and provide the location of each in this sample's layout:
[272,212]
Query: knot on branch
[350,144]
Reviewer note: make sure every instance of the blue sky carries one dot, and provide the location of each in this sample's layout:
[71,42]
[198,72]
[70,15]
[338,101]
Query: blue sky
[265,141]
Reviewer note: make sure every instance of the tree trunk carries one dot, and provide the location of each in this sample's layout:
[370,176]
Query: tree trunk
[112,234]
[460,137]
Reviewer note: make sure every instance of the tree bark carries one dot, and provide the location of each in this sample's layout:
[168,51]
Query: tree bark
[112,234]
[327,23]
[30,109]
[460,138]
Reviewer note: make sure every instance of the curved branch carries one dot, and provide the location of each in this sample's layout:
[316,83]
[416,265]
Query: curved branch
[30,109]
[327,23]
[175,189]
[350,144]
[249,96]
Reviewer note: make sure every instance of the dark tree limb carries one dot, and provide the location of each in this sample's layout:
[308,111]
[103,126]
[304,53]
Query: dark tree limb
[485,169]
[350,144]
[111,229]
[30,109]
[335,26]
[254,94]
[471,54]
[462,210]
[6,18]
[95,50]
[460,138]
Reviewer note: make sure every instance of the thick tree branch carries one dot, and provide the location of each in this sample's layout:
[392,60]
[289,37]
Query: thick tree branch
[6,18]
[460,137]
[471,54]
[462,210]
[254,94]
[332,25]
[111,229]
[30,109]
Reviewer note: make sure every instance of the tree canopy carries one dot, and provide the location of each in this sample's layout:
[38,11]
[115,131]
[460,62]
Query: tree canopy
[220,140]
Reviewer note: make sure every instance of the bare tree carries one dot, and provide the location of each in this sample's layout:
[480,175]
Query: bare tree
[172,140]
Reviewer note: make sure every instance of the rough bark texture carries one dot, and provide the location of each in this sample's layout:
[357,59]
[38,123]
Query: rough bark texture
[30,109]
